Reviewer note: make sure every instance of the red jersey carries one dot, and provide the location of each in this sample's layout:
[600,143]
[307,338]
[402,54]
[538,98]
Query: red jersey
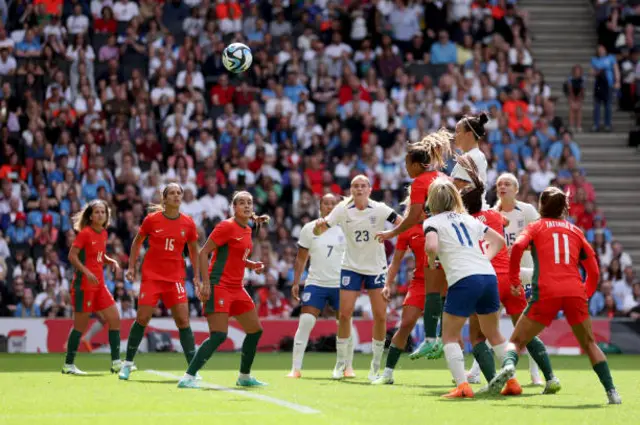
[167,237]
[93,247]
[414,239]
[420,186]
[233,246]
[496,221]
[557,247]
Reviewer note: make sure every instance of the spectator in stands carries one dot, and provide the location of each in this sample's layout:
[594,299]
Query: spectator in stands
[26,307]
[574,90]
[604,68]
[321,100]
[603,301]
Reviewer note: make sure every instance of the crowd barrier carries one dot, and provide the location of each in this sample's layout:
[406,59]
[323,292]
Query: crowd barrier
[50,335]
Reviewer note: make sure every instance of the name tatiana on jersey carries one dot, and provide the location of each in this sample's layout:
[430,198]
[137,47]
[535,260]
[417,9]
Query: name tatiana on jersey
[566,225]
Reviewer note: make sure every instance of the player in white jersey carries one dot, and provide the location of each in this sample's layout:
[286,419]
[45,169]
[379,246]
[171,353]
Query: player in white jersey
[322,285]
[454,237]
[469,131]
[364,265]
[519,214]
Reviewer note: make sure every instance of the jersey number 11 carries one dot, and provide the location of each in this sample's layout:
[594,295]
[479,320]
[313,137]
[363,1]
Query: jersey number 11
[556,248]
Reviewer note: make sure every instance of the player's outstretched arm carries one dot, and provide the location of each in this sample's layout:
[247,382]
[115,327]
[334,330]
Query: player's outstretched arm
[402,225]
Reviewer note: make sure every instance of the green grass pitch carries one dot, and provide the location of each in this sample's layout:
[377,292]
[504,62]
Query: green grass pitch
[33,391]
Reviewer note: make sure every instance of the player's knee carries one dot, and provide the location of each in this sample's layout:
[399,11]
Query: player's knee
[113,322]
[182,322]
[345,315]
[143,319]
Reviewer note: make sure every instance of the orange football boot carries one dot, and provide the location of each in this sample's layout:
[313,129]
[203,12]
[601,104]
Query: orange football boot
[462,391]
[512,387]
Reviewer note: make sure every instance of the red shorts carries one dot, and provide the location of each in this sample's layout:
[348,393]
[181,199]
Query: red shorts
[575,309]
[233,301]
[171,293]
[511,303]
[97,298]
[416,294]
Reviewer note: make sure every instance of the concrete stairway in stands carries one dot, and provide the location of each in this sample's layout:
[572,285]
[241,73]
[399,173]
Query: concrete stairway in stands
[564,34]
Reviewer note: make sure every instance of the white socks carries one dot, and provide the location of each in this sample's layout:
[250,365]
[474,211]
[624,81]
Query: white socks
[475,368]
[349,358]
[378,350]
[342,345]
[500,350]
[301,339]
[455,360]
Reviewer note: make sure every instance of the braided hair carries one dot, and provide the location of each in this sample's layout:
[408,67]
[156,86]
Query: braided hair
[433,151]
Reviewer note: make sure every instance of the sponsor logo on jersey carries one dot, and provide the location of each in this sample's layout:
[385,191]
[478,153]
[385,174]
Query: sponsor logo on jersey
[346,280]
[372,220]
[306,296]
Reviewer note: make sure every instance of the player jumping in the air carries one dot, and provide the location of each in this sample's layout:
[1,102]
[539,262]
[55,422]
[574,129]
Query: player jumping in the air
[514,303]
[455,238]
[423,160]
[163,271]
[558,248]
[322,285]
[413,304]
[364,265]
[224,295]
[89,292]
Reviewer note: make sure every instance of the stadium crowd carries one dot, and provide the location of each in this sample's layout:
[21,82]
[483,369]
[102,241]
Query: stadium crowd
[112,99]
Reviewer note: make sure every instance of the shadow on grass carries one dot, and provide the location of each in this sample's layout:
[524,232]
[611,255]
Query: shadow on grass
[556,406]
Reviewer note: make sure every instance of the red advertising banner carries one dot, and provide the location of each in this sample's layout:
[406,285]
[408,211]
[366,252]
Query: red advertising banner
[50,335]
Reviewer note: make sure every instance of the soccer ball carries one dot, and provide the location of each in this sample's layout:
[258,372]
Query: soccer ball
[237,57]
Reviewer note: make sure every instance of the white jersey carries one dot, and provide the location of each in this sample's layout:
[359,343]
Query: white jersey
[522,215]
[481,164]
[325,255]
[459,251]
[364,254]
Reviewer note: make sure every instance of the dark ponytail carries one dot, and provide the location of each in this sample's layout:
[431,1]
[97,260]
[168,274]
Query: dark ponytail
[475,124]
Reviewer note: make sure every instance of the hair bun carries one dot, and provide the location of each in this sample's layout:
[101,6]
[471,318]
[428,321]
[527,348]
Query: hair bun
[483,118]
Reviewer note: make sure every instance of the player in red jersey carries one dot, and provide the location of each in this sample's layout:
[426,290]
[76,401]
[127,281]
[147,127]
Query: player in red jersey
[414,300]
[89,292]
[163,271]
[423,160]
[558,248]
[224,296]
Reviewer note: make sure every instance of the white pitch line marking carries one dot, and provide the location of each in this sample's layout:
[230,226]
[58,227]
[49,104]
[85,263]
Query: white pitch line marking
[297,407]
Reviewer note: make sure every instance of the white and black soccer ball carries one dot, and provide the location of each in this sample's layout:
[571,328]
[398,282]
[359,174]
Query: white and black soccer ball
[237,57]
